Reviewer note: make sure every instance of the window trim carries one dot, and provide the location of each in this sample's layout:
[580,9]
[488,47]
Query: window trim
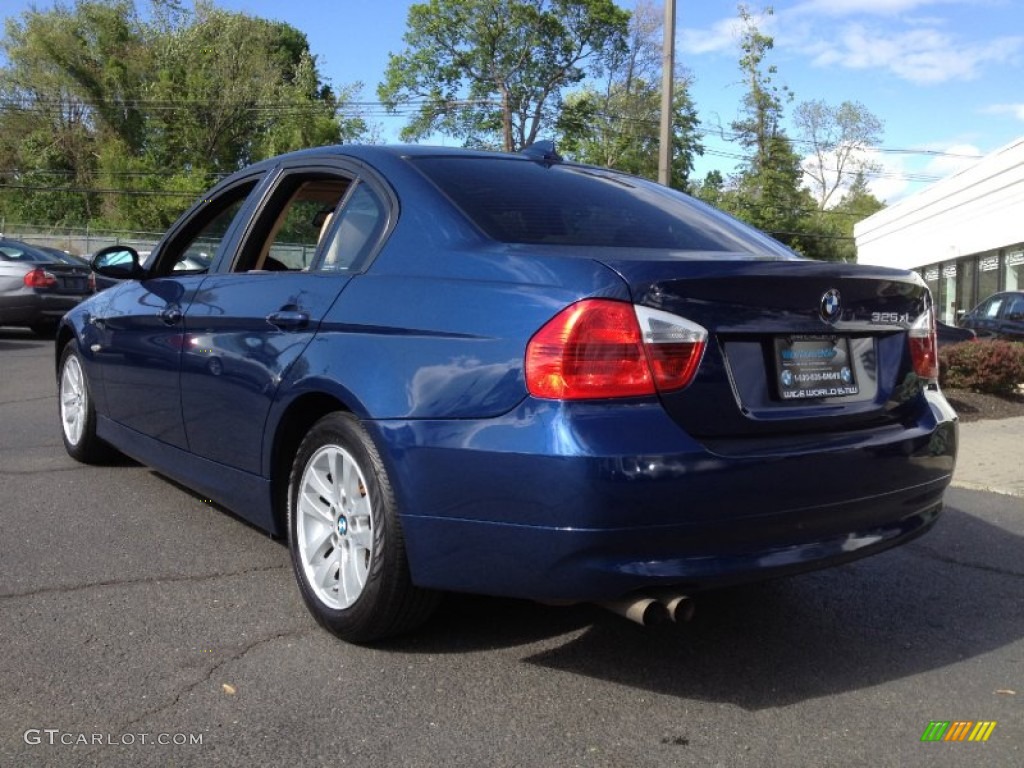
[188,225]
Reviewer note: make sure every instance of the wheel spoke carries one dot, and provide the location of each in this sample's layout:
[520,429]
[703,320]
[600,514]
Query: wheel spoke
[353,571]
[337,466]
[361,539]
[325,573]
[311,504]
[318,482]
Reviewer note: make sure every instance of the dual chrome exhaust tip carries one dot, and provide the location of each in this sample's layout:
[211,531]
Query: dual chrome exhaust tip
[654,607]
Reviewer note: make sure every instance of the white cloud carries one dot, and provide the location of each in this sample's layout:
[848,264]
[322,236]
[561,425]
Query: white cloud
[892,182]
[957,157]
[1016,110]
[903,174]
[873,7]
[921,56]
[723,35]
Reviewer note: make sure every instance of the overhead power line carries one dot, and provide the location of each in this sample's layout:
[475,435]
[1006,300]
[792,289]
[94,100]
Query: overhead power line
[363,109]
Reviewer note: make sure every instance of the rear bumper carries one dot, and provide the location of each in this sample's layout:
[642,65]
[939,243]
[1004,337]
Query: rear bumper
[586,502]
[31,307]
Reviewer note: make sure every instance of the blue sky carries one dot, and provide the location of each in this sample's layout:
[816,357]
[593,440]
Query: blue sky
[939,73]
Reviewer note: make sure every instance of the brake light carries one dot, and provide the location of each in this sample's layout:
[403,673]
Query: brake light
[924,346]
[600,348]
[92,282]
[40,278]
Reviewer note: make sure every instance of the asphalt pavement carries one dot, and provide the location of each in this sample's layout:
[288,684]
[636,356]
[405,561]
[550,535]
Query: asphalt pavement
[141,626]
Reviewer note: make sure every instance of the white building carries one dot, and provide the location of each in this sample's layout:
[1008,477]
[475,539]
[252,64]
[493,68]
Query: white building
[964,234]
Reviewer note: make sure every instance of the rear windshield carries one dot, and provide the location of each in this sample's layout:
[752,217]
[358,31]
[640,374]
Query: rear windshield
[523,201]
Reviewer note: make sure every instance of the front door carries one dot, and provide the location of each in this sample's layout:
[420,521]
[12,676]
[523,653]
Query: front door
[141,324]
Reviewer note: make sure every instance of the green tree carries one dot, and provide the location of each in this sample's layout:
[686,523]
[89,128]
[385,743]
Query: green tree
[618,125]
[491,72]
[96,97]
[769,194]
[73,78]
[839,138]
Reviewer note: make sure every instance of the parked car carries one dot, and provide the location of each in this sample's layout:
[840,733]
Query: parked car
[63,257]
[36,288]
[511,375]
[951,334]
[1000,316]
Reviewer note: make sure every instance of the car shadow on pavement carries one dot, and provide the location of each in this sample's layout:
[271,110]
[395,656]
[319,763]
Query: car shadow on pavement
[951,595]
[22,339]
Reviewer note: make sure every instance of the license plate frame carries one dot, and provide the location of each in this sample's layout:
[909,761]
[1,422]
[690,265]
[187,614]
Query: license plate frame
[813,367]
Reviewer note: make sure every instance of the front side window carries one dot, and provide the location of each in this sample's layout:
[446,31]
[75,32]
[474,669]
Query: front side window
[192,250]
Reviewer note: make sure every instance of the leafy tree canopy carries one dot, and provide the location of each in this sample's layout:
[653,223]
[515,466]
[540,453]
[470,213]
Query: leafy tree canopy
[491,72]
[616,123]
[95,98]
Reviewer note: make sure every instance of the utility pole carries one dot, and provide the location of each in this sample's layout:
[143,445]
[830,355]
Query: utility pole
[668,65]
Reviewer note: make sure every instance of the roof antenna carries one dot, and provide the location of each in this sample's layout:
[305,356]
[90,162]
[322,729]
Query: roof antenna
[543,152]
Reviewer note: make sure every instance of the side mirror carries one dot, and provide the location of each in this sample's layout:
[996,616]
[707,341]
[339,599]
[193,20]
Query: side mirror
[119,262]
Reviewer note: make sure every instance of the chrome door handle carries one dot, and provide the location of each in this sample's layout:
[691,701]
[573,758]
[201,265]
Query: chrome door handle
[288,320]
[171,315]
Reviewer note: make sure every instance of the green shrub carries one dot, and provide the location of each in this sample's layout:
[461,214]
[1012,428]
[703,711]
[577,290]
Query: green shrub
[995,367]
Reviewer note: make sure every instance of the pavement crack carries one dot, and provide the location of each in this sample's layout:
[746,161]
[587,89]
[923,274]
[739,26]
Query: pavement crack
[30,472]
[66,590]
[28,400]
[931,554]
[205,680]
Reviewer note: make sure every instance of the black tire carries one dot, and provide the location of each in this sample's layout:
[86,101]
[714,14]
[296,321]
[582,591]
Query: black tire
[335,530]
[81,443]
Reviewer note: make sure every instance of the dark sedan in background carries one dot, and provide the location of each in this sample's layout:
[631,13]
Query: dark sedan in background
[37,287]
[951,334]
[1000,316]
[435,369]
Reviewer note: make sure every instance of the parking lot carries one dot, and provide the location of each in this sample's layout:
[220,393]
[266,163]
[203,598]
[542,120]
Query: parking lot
[144,626]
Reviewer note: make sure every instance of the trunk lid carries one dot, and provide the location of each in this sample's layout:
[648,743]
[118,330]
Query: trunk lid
[71,280]
[794,346]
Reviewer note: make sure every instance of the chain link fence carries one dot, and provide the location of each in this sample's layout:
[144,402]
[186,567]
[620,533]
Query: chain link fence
[80,241]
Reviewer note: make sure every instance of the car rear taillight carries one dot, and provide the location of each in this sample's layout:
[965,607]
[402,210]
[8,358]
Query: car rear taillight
[40,278]
[601,348]
[924,346]
[92,282]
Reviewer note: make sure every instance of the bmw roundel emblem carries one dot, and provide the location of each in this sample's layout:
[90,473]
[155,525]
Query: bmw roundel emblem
[831,306]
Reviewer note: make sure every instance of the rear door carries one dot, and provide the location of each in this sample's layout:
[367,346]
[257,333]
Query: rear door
[252,319]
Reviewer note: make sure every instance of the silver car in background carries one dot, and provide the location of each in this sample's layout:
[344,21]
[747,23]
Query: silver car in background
[36,289]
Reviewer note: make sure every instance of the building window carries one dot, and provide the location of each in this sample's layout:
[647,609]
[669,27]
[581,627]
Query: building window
[988,275]
[1013,270]
[967,296]
[931,279]
[947,293]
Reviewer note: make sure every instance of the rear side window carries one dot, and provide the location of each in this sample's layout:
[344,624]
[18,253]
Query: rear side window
[523,201]
[10,253]
[359,224]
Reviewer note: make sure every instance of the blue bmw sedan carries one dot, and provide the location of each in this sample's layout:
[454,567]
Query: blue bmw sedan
[443,370]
